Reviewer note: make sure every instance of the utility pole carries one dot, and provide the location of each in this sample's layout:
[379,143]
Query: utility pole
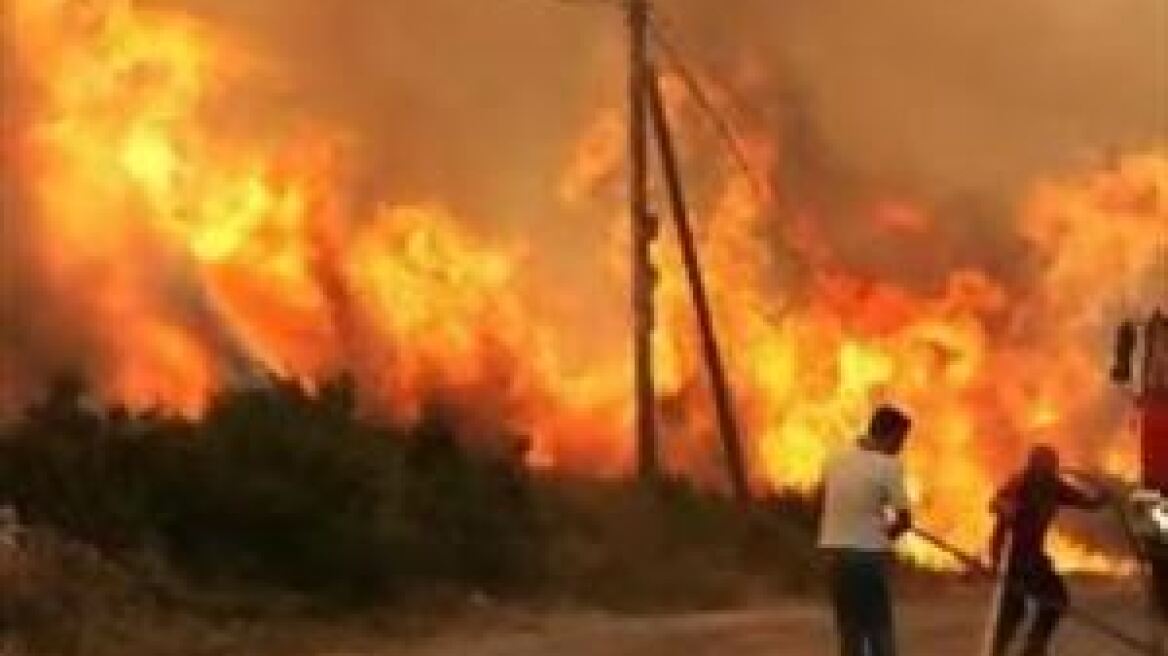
[719,385]
[643,233]
[647,114]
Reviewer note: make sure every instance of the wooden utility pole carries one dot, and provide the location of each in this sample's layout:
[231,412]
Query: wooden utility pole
[643,229]
[719,385]
[647,113]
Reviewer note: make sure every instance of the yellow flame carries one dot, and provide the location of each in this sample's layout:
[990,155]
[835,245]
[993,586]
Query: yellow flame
[148,204]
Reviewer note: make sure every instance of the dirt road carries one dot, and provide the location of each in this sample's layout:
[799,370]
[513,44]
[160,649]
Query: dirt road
[939,625]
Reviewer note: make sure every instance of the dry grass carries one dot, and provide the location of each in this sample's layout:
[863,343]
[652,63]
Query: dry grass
[63,598]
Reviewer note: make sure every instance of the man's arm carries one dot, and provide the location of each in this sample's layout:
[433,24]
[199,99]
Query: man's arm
[818,499]
[899,504]
[819,492]
[1076,497]
[998,540]
[1004,507]
[1005,503]
[901,523]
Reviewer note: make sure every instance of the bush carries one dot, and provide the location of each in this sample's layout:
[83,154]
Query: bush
[276,487]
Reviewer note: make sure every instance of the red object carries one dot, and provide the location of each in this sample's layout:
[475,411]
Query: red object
[1154,403]
[1155,443]
[1154,440]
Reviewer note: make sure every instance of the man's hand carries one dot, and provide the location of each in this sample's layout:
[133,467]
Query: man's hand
[1101,497]
[900,524]
[1090,487]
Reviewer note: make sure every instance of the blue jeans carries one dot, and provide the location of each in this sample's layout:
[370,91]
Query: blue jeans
[858,581]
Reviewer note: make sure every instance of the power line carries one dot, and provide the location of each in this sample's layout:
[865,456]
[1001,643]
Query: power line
[723,126]
[677,63]
[584,3]
[671,36]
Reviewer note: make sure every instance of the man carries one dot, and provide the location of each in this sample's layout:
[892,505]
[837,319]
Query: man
[865,509]
[1025,508]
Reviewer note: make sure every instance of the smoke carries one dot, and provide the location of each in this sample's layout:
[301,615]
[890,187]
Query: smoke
[950,108]
[58,319]
[957,108]
[32,339]
[971,97]
[437,93]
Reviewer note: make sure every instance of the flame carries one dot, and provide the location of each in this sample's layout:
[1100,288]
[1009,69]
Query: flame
[202,248]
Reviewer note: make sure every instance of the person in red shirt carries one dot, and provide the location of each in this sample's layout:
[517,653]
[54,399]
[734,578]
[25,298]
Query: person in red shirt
[1025,508]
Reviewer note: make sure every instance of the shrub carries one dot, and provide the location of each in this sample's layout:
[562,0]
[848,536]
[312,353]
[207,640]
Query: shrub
[276,487]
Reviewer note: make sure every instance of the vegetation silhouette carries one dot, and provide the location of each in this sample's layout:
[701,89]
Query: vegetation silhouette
[279,488]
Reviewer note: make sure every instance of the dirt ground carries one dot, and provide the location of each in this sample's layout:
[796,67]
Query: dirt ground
[941,624]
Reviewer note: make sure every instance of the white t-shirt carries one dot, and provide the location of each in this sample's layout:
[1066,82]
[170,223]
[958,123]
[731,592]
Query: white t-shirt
[860,487]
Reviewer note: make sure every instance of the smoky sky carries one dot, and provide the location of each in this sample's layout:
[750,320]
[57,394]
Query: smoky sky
[959,106]
[955,96]
[965,97]
[30,334]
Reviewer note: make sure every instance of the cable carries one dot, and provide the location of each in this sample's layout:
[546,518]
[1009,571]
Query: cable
[670,34]
[722,125]
[676,61]
[585,3]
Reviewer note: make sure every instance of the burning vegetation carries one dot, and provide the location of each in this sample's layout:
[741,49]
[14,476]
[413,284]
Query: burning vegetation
[173,229]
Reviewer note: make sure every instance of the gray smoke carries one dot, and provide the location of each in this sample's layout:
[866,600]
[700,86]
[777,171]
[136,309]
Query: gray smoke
[957,106]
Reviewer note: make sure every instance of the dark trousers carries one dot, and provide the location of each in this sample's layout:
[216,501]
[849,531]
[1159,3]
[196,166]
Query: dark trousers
[1030,576]
[862,603]
[1159,562]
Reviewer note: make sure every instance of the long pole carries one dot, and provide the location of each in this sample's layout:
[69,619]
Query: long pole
[720,387]
[642,273]
[989,636]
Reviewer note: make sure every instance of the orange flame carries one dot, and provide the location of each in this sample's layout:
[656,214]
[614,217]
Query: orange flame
[203,247]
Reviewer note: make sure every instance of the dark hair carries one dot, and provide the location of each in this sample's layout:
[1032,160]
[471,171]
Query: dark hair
[1043,459]
[888,421]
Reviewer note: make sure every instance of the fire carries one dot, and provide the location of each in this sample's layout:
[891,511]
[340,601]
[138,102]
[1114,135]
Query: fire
[202,246]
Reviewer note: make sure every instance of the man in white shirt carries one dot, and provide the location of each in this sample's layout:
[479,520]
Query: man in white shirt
[864,510]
